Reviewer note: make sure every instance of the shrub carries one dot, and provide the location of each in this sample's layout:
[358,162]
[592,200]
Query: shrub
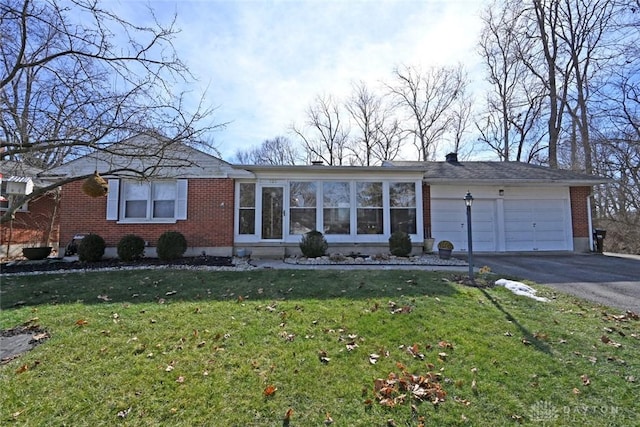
[91,248]
[445,244]
[171,245]
[130,247]
[400,244]
[313,244]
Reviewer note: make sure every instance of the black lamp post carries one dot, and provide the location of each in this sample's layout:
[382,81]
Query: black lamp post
[468,200]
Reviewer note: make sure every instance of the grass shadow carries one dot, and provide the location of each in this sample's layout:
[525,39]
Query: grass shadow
[167,285]
[526,333]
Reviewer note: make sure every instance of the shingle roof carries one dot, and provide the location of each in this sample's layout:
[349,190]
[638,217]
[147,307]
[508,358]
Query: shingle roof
[499,172]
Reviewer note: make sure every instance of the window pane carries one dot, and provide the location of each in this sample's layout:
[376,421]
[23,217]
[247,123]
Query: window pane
[163,209]
[302,220]
[247,195]
[370,221]
[402,195]
[336,194]
[403,220]
[135,209]
[247,221]
[369,194]
[136,191]
[164,191]
[302,194]
[336,221]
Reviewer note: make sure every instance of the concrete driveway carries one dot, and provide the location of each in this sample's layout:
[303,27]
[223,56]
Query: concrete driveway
[609,279]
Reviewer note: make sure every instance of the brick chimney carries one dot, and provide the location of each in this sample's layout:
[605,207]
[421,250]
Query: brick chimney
[452,158]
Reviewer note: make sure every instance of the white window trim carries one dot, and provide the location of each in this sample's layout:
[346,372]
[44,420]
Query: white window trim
[116,205]
[352,237]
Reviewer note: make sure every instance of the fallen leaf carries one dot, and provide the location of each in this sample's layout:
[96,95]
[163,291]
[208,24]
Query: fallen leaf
[40,337]
[576,391]
[124,413]
[328,420]
[269,390]
[171,293]
[180,379]
[373,358]
[104,298]
[288,414]
[21,369]
[81,322]
[585,380]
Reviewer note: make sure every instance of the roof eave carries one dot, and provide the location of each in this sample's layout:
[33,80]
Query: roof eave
[518,182]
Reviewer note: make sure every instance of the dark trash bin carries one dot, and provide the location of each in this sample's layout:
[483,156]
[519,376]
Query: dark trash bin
[598,237]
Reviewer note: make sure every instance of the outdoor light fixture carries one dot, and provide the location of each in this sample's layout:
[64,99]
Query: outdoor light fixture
[468,200]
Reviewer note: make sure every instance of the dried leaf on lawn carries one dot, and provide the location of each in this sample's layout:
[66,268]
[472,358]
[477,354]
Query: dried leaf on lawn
[270,390]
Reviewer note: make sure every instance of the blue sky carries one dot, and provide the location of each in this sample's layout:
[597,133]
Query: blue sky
[263,62]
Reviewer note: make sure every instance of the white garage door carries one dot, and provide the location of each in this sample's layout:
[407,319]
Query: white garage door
[535,225]
[449,222]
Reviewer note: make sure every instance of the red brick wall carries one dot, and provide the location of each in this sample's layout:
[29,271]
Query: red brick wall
[209,220]
[579,214]
[37,225]
[426,207]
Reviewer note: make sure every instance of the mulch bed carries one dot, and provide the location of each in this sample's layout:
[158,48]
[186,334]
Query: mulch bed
[53,264]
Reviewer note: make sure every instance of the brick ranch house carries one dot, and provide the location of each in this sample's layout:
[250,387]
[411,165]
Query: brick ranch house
[221,208]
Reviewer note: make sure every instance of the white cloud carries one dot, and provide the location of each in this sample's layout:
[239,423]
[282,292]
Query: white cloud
[263,62]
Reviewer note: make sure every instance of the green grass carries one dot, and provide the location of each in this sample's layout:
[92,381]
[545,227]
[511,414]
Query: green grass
[191,348]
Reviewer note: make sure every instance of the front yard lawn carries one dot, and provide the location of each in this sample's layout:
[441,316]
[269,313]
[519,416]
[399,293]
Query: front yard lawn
[311,348]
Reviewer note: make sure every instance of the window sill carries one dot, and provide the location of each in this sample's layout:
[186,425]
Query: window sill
[147,221]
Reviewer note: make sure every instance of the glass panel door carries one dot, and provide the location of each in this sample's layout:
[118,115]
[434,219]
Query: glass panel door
[272,212]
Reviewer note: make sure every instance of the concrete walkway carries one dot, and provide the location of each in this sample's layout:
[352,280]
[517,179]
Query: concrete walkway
[281,265]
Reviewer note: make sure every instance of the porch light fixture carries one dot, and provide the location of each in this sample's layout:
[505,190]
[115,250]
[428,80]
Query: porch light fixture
[468,201]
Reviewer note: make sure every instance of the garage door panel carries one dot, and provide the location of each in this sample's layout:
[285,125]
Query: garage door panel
[449,222]
[535,225]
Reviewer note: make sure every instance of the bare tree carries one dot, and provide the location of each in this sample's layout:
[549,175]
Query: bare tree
[325,135]
[68,87]
[277,151]
[510,122]
[426,97]
[365,109]
[379,135]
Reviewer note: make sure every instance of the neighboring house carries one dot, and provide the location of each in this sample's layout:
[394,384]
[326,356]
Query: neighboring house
[35,223]
[221,208]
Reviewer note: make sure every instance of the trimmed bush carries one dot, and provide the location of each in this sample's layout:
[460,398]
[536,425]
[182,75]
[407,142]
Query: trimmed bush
[91,248]
[171,245]
[130,247]
[400,244]
[313,244]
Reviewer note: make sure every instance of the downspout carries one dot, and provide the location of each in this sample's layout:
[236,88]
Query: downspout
[590,223]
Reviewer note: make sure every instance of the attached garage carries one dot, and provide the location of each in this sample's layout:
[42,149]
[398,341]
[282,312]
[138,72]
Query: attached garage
[503,219]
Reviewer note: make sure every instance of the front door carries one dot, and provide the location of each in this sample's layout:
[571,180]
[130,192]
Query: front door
[272,212]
